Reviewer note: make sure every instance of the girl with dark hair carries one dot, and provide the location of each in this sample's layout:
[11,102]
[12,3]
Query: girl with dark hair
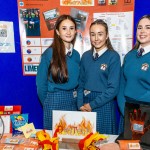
[99,78]
[58,72]
[36,23]
[135,76]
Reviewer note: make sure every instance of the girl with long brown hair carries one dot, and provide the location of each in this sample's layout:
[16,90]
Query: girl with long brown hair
[135,81]
[58,72]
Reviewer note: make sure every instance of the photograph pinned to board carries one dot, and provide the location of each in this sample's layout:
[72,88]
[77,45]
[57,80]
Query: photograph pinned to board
[80,17]
[113,2]
[30,20]
[102,2]
[50,17]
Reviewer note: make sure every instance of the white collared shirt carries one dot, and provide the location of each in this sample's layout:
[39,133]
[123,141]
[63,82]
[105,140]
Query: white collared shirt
[70,49]
[146,49]
[100,52]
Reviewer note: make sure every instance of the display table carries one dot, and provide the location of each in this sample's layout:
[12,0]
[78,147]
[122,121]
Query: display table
[72,144]
[31,143]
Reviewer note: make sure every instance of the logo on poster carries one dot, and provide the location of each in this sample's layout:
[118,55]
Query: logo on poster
[21,3]
[30,68]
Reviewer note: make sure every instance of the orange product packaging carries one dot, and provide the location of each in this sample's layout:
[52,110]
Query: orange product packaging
[18,143]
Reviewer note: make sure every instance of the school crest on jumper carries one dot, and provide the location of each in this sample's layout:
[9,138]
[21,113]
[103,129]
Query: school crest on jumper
[145,66]
[103,67]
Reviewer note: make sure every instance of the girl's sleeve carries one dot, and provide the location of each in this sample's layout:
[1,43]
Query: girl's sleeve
[42,78]
[120,97]
[81,85]
[112,84]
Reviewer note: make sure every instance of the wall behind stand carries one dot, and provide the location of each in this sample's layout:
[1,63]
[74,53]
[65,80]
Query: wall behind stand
[16,89]
[141,9]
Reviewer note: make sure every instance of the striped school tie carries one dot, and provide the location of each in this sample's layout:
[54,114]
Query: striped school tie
[140,52]
[69,53]
[96,56]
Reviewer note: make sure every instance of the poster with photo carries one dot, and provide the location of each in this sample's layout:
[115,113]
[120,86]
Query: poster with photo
[30,19]
[80,17]
[50,18]
[102,2]
[37,20]
[113,2]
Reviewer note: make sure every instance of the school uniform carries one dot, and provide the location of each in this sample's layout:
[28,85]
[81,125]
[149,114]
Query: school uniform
[57,96]
[30,29]
[135,79]
[36,30]
[98,86]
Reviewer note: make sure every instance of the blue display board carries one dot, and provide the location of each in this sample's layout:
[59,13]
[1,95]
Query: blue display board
[16,89]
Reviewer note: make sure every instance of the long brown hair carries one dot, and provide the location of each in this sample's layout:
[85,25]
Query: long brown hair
[104,24]
[137,43]
[58,66]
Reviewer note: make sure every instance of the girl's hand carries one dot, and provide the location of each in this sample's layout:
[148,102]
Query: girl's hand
[88,107]
[82,108]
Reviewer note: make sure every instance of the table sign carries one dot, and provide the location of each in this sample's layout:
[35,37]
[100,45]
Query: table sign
[73,124]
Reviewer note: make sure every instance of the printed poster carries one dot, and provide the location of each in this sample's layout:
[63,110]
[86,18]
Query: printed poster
[74,124]
[120,31]
[6,37]
[37,19]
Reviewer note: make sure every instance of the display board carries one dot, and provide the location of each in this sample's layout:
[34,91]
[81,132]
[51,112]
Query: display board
[37,20]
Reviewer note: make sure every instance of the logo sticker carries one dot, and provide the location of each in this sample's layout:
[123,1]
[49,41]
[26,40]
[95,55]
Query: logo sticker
[86,92]
[103,67]
[145,67]
[74,94]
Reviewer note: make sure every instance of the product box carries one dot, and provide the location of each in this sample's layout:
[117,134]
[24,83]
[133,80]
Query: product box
[5,112]
[18,143]
[129,145]
[8,110]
